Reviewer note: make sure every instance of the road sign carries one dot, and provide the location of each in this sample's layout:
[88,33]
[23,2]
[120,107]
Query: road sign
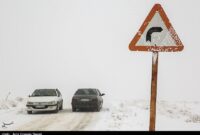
[156,34]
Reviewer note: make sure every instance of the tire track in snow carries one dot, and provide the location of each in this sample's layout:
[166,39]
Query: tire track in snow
[63,121]
[86,119]
[38,124]
[71,121]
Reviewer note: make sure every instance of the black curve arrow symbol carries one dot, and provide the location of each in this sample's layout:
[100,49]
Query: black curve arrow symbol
[152,30]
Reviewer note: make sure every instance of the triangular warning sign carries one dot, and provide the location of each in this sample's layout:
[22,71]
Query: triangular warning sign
[156,34]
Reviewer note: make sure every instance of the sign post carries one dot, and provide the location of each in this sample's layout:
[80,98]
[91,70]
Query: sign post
[153,91]
[156,35]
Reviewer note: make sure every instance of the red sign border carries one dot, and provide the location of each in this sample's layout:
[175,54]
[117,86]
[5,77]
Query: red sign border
[179,46]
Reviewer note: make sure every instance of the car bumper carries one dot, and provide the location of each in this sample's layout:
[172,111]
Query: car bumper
[45,108]
[84,105]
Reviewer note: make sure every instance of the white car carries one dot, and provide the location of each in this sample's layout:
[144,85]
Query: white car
[45,100]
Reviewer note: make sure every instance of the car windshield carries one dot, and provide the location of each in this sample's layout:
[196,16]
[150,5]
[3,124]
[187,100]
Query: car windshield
[44,92]
[86,92]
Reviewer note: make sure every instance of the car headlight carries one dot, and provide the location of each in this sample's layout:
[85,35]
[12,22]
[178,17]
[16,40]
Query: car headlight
[76,99]
[52,103]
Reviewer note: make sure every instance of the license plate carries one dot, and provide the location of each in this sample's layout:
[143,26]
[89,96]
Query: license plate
[39,106]
[85,99]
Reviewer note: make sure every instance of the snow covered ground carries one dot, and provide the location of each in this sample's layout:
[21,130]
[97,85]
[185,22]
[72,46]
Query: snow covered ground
[116,115]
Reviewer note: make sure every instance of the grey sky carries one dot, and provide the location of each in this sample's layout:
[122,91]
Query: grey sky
[70,44]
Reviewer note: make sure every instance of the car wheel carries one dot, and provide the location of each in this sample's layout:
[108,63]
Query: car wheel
[29,112]
[73,109]
[61,106]
[97,109]
[57,109]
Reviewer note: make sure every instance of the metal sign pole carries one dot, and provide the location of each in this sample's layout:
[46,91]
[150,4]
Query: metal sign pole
[153,91]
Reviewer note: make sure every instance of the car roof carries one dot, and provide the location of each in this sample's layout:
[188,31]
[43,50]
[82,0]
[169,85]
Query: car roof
[46,89]
[87,89]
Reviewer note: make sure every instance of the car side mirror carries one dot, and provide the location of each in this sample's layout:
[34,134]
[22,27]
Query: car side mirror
[102,94]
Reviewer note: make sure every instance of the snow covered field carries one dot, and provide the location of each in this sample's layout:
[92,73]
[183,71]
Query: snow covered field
[71,44]
[117,115]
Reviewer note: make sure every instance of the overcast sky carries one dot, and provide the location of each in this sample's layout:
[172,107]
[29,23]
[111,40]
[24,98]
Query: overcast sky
[71,44]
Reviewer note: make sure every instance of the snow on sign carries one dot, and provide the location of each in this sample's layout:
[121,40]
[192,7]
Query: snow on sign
[156,34]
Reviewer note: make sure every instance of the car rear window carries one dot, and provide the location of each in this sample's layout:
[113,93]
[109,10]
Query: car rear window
[44,92]
[86,92]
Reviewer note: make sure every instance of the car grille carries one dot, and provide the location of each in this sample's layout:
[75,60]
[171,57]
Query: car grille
[40,103]
[35,107]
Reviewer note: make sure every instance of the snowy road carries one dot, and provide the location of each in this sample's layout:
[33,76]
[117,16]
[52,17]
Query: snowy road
[64,120]
[114,116]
